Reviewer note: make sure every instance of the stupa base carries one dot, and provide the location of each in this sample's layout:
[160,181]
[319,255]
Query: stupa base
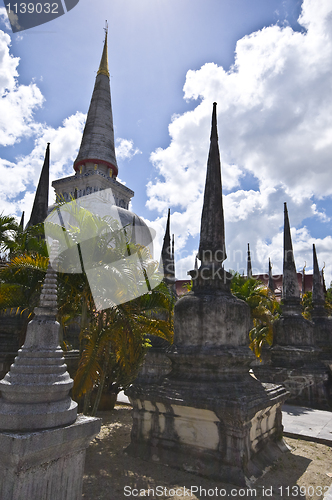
[230,432]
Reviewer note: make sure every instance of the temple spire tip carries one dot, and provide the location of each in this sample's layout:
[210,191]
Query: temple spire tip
[103,67]
[214,132]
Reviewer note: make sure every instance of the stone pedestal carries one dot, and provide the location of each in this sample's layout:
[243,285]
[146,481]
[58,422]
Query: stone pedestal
[46,464]
[227,431]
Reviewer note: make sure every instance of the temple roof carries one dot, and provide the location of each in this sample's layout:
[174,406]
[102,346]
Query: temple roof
[97,144]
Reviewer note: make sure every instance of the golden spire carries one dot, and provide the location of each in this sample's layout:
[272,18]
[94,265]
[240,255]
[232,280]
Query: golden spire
[103,67]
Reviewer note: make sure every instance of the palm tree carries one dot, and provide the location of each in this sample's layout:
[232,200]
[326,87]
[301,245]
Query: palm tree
[20,286]
[115,344]
[8,228]
[29,241]
[113,339]
[264,309]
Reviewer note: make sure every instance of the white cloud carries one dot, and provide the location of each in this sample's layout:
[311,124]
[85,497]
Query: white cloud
[18,102]
[22,177]
[274,122]
[124,149]
[17,105]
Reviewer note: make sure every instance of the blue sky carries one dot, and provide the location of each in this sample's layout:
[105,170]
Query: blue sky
[268,64]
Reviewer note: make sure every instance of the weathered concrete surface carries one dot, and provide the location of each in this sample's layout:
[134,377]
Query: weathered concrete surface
[293,330]
[211,318]
[227,430]
[45,465]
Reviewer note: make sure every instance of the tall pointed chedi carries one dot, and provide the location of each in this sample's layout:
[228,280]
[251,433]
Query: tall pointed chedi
[96,166]
[208,415]
[271,284]
[156,363]
[173,258]
[40,204]
[212,236]
[318,297]
[166,251]
[167,255]
[290,285]
[323,280]
[249,268]
[21,224]
[97,144]
[291,328]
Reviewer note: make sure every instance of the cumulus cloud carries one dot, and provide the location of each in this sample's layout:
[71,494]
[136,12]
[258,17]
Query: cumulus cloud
[19,179]
[274,124]
[17,105]
[18,102]
[124,149]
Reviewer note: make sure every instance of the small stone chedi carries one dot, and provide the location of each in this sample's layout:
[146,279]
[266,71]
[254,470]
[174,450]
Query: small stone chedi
[294,358]
[209,415]
[320,318]
[156,363]
[42,440]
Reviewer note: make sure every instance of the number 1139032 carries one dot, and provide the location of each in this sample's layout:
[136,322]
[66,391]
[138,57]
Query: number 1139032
[30,8]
